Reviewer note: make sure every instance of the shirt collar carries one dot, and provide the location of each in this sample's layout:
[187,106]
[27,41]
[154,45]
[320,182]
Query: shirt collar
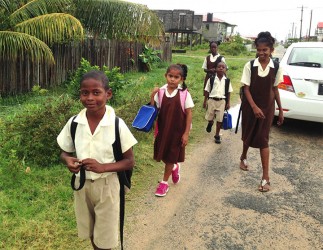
[107,119]
[257,63]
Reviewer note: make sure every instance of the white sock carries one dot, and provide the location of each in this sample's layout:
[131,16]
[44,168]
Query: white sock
[175,166]
[164,182]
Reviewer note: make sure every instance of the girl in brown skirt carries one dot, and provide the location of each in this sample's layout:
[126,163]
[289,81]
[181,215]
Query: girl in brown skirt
[260,93]
[174,122]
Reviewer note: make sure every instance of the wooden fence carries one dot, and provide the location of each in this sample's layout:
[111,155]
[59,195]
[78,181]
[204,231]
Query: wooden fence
[20,76]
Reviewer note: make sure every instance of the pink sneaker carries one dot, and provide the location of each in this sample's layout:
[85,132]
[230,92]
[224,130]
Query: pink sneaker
[162,189]
[175,173]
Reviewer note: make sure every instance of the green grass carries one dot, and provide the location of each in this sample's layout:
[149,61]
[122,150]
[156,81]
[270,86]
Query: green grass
[36,208]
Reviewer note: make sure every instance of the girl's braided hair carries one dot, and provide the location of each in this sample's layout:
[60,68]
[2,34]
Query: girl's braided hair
[265,37]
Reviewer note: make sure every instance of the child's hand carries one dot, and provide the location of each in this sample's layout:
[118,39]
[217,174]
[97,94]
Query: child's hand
[92,165]
[227,107]
[258,113]
[73,164]
[155,90]
[184,140]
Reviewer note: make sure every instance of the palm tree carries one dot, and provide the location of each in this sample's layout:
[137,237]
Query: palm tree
[30,27]
[121,20]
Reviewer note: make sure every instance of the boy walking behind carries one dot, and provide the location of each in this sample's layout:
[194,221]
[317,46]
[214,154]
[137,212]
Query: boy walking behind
[217,91]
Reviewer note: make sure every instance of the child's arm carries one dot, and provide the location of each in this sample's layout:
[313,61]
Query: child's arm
[188,126]
[128,162]
[153,93]
[227,105]
[281,113]
[72,163]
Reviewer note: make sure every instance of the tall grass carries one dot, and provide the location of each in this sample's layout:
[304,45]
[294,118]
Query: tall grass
[36,204]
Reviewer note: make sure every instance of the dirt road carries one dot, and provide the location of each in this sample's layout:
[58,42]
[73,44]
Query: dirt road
[217,206]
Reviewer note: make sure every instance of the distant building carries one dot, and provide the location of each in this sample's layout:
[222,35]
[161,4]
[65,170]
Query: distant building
[215,29]
[319,32]
[182,26]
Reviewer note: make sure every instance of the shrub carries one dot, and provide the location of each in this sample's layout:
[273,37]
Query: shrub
[32,133]
[116,79]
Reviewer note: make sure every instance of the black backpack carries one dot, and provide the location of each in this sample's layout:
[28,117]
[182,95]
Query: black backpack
[124,176]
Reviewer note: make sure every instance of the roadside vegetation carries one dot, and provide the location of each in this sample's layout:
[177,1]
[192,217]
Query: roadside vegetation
[36,200]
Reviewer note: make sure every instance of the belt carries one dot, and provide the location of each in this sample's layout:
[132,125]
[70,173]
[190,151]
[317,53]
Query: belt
[216,99]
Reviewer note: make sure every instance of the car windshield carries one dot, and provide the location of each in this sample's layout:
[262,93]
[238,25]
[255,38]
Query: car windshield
[306,57]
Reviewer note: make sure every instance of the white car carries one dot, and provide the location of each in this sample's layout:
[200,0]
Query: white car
[301,92]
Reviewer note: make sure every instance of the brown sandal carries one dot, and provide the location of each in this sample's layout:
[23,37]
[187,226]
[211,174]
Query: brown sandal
[264,186]
[244,164]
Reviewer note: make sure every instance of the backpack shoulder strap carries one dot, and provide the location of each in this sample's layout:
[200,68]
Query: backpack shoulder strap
[161,93]
[182,96]
[73,129]
[226,89]
[276,66]
[251,63]
[117,151]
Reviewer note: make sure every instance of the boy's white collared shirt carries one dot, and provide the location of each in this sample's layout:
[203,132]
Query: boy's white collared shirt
[218,89]
[98,145]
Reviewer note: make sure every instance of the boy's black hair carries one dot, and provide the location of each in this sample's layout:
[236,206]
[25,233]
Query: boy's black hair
[97,75]
[183,69]
[265,37]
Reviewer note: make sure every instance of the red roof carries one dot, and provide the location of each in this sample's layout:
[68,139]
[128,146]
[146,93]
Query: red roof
[320,25]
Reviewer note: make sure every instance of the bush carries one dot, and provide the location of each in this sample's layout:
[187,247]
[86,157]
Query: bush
[32,133]
[116,79]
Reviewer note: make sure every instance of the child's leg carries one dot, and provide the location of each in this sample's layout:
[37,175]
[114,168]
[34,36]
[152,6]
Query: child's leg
[168,171]
[264,154]
[218,128]
[243,158]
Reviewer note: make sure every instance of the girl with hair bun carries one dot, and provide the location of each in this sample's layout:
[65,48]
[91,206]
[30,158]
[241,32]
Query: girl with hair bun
[260,79]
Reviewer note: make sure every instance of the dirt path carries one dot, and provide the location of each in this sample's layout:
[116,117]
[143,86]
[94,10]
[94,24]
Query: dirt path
[217,206]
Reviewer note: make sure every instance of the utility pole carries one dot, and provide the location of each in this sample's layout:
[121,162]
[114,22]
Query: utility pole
[309,31]
[300,33]
[293,30]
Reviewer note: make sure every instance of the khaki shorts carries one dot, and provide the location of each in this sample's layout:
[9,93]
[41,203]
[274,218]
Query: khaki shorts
[97,211]
[215,109]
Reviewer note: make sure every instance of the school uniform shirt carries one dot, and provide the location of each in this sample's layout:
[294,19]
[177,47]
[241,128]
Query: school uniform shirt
[98,145]
[218,89]
[246,74]
[212,59]
[188,101]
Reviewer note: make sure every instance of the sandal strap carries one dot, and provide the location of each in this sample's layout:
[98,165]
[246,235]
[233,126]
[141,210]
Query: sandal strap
[264,182]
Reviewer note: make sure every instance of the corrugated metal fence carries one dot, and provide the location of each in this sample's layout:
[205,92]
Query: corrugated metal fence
[20,76]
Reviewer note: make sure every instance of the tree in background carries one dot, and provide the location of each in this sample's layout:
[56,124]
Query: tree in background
[31,26]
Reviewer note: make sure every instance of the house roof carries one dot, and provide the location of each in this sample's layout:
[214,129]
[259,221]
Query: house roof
[214,19]
[320,25]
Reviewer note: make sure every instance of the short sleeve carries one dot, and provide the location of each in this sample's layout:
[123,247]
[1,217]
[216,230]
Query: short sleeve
[207,85]
[64,139]
[204,66]
[127,139]
[188,101]
[246,74]
[279,76]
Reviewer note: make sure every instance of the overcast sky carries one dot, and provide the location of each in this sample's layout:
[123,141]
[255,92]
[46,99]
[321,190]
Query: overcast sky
[253,16]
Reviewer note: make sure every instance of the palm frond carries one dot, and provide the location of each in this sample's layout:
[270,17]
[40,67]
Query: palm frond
[36,8]
[5,5]
[14,44]
[119,20]
[52,28]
